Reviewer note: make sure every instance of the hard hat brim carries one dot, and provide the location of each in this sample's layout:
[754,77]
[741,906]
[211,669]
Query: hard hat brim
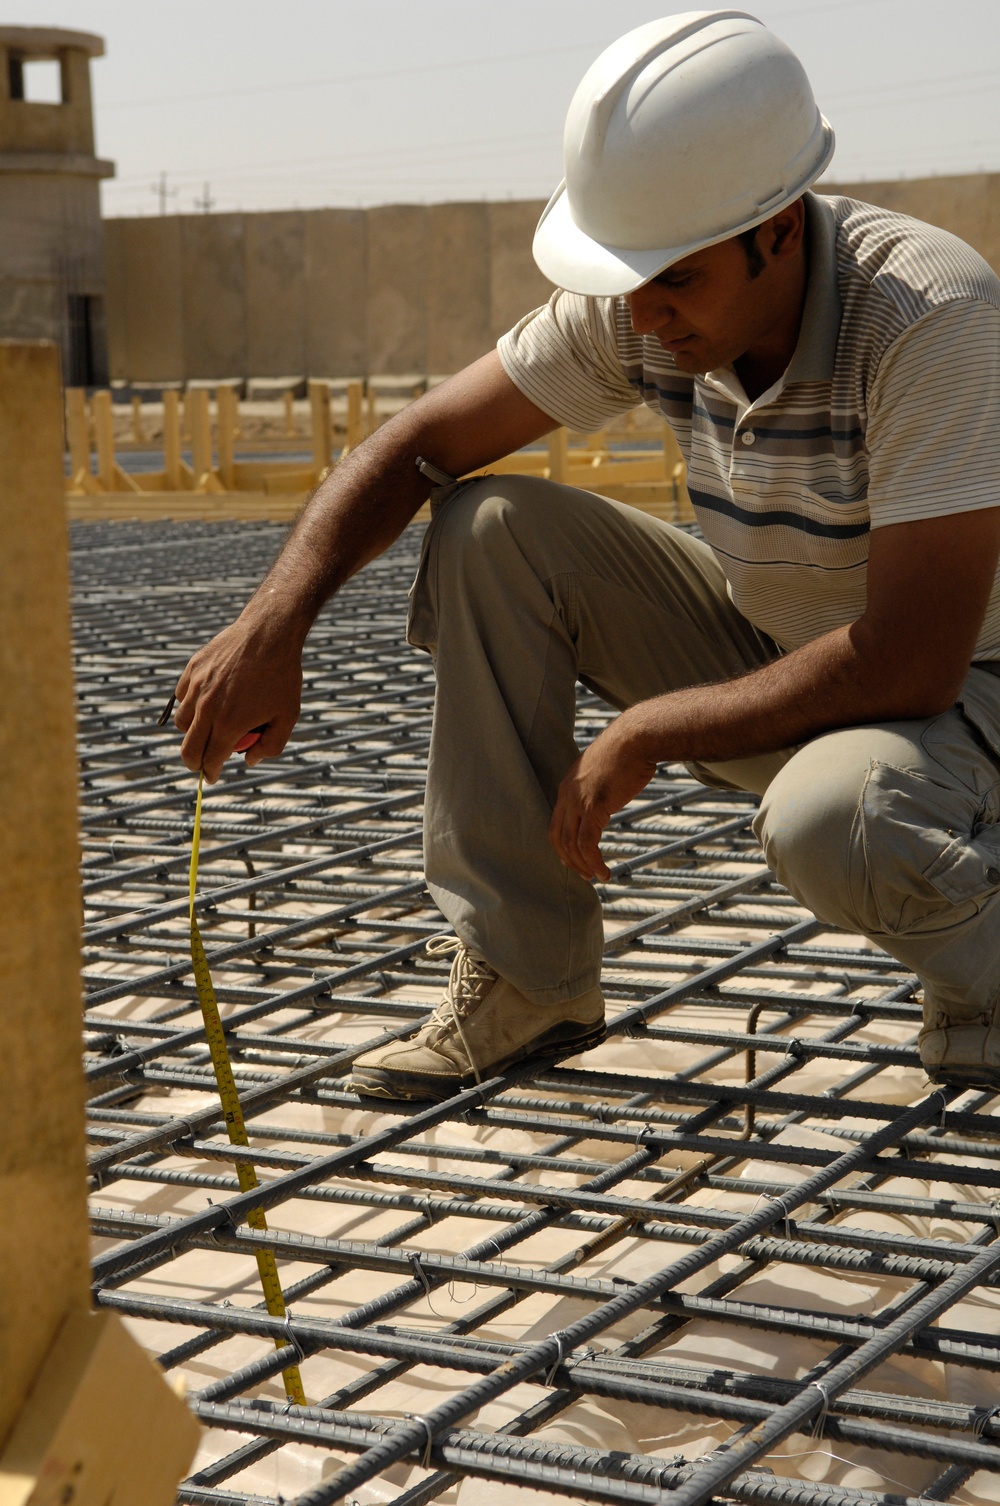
[573,260]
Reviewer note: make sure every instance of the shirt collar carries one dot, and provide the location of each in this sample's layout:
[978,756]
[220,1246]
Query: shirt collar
[816,350]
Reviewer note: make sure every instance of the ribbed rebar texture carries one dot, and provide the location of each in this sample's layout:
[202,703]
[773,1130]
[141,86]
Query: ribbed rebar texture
[740,1252]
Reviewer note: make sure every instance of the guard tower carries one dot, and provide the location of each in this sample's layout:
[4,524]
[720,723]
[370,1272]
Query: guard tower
[52,244]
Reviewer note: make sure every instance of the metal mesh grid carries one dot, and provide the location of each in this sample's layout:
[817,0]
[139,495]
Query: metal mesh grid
[739,1252]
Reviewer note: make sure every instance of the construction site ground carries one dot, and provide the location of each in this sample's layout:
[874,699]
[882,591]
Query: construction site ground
[741,1251]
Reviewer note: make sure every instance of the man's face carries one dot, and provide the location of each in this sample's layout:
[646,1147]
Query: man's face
[708,310]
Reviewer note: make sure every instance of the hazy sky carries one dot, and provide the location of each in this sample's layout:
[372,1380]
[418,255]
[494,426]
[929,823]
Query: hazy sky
[347,102]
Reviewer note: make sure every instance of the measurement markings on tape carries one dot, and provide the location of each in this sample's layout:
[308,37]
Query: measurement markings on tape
[230,1099]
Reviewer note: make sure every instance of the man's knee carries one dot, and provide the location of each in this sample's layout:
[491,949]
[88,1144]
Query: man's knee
[478,517]
[489,549]
[807,826]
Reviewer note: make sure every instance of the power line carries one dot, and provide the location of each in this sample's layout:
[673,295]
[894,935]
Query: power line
[355,78]
[446,149]
[445,152]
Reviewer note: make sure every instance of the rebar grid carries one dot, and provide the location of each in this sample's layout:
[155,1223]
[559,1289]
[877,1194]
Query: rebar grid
[742,1237]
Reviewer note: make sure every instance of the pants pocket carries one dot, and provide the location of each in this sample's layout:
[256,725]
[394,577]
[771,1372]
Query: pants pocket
[932,853]
[979,702]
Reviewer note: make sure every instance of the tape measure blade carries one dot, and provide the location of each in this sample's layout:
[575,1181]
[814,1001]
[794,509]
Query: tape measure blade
[246,1175]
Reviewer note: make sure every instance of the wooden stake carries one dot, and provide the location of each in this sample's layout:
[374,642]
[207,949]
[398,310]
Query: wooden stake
[81,481]
[77,429]
[138,432]
[558,455]
[322,428]
[355,422]
[682,510]
[172,480]
[201,437]
[227,424]
[289,415]
[104,439]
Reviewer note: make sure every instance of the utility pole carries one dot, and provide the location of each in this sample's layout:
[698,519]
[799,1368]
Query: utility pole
[163,192]
[206,203]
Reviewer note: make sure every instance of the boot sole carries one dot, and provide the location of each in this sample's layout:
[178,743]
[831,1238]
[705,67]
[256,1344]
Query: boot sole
[410,1087]
[985,1078]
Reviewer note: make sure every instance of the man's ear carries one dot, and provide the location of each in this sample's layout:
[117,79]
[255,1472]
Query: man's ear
[783,233]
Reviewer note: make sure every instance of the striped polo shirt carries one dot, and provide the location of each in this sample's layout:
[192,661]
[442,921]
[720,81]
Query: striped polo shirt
[889,412]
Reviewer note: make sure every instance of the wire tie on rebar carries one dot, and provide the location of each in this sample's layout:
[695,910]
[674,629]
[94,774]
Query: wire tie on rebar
[290,1338]
[982,1420]
[820,1420]
[425,1459]
[780,1201]
[994,1208]
[420,1273]
[186,1131]
[550,1375]
[641,1134]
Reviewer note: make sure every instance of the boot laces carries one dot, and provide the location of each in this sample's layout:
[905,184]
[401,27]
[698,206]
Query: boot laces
[470,981]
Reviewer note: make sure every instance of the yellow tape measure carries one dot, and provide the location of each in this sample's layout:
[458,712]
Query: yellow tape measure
[273,1296]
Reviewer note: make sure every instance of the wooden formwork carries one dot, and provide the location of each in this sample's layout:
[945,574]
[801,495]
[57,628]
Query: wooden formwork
[202,478]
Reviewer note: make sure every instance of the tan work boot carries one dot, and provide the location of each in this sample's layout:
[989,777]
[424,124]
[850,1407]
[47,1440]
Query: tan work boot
[962,1053]
[482,1026]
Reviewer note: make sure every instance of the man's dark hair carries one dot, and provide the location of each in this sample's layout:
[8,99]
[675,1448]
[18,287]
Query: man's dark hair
[754,255]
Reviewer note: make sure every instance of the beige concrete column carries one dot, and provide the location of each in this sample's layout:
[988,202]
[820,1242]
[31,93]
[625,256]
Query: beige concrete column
[43,1230]
[82,1407]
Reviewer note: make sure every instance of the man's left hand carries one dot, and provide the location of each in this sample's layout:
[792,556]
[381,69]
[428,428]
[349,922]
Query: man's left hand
[603,780]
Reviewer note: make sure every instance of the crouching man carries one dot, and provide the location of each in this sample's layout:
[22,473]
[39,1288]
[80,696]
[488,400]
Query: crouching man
[831,643]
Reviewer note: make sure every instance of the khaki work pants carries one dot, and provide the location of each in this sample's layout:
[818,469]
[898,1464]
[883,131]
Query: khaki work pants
[523,588]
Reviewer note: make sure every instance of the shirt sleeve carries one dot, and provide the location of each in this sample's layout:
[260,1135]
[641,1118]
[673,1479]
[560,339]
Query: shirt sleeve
[564,357]
[934,418]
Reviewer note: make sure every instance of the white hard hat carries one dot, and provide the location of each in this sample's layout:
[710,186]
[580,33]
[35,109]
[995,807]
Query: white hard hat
[683,133]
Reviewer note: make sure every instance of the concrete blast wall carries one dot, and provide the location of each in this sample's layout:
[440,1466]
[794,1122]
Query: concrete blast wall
[400,288]
[321,292]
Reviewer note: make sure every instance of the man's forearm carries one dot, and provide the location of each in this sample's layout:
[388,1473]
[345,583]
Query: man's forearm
[841,679]
[366,502]
[355,514]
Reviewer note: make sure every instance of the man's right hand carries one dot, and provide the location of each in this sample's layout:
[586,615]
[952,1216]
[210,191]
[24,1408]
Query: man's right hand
[249,676]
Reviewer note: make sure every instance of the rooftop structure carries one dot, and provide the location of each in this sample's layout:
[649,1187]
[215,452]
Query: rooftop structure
[52,277]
